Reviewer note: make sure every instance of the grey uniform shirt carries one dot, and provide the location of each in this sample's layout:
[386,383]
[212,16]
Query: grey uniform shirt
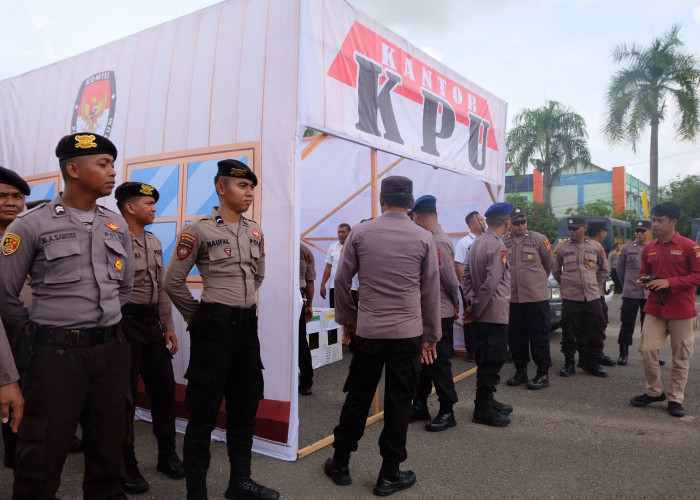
[81,275]
[578,269]
[148,278]
[8,370]
[531,262]
[449,286]
[486,279]
[628,266]
[230,258]
[399,278]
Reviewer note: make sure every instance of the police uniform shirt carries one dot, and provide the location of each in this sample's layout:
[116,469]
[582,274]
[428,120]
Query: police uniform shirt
[486,279]
[81,275]
[8,370]
[399,279]
[531,262]
[603,275]
[230,258]
[628,266]
[307,269]
[148,277]
[578,269]
[449,286]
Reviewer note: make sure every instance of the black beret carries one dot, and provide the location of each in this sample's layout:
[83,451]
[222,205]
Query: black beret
[396,184]
[10,177]
[132,189]
[236,168]
[84,144]
[517,212]
[576,220]
[643,224]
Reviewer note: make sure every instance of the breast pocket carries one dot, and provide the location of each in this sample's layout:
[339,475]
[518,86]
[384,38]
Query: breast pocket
[116,259]
[569,262]
[221,259]
[529,254]
[159,264]
[591,260]
[62,262]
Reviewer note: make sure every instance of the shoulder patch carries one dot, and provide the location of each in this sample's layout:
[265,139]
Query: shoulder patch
[108,210]
[605,256]
[504,255]
[10,243]
[547,245]
[185,245]
[256,233]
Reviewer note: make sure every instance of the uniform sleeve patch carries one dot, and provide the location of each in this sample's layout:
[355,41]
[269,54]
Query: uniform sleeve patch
[605,256]
[185,245]
[112,226]
[256,233]
[439,257]
[547,245]
[10,243]
[504,255]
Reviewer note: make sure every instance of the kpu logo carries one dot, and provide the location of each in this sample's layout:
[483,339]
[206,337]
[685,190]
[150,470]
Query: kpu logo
[379,70]
[95,105]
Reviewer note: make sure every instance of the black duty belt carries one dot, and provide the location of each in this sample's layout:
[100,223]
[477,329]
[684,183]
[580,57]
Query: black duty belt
[230,312]
[75,337]
[140,309]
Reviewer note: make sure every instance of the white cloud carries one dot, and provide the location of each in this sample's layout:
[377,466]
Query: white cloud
[696,14]
[433,53]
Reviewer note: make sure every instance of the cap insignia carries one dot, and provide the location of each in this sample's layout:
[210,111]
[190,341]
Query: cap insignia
[146,190]
[85,141]
[238,172]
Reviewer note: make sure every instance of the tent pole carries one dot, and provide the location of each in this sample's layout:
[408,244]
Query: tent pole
[374,196]
[312,145]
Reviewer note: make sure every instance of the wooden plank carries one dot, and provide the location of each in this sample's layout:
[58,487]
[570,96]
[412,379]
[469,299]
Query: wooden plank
[312,145]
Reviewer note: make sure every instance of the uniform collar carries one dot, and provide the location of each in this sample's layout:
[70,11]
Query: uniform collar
[59,208]
[677,238]
[220,221]
[393,214]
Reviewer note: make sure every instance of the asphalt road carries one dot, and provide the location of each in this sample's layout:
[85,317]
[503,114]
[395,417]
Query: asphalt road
[579,438]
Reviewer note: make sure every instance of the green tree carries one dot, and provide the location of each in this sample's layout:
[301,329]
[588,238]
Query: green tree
[686,192]
[640,94]
[600,208]
[537,217]
[551,139]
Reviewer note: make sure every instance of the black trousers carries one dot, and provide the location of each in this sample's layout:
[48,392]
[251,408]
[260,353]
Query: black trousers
[528,332]
[64,386]
[628,318]
[401,357]
[582,330]
[440,372]
[616,280]
[224,363]
[491,352]
[151,360]
[306,370]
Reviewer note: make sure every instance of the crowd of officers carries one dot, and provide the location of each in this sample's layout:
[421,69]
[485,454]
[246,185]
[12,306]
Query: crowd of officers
[100,317]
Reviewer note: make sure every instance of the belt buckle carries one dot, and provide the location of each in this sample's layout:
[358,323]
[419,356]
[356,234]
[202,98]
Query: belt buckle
[73,337]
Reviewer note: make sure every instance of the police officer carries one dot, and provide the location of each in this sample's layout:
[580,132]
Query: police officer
[440,372]
[530,260]
[598,231]
[13,191]
[147,322]
[486,282]
[398,324]
[578,266]
[634,297]
[307,275]
[81,264]
[228,250]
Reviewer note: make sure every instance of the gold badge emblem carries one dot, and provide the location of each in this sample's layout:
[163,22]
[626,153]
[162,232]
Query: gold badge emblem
[146,190]
[10,244]
[529,256]
[118,264]
[238,172]
[85,141]
[591,263]
[112,226]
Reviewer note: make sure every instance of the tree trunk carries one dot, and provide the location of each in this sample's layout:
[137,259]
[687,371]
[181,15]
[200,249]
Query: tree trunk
[654,165]
[547,189]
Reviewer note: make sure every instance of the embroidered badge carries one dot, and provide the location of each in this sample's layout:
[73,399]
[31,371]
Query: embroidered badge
[59,209]
[652,253]
[185,245]
[85,141]
[504,255]
[238,172]
[591,263]
[529,256]
[548,245]
[112,226]
[146,190]
[677,251]
[227,251]
[556,252]
[439,257]
[219,220]
[605,256]
[256,233]
[118,264]
[10,244]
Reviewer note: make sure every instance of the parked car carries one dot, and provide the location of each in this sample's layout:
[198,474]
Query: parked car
[555,299]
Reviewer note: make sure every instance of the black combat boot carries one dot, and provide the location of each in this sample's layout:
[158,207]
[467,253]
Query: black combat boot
[418,411]
[624,355]
[135,483]
[519,378]
[569,366]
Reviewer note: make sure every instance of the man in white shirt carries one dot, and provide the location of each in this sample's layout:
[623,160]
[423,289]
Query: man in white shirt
[475,223]
[332,258]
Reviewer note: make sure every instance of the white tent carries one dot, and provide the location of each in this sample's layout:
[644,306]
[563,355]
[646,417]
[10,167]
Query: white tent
[244,79]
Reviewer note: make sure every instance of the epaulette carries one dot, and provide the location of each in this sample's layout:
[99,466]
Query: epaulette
[27,212]
[105,209]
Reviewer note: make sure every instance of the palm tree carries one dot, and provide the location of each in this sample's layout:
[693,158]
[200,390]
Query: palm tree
[551,139]
[638,96]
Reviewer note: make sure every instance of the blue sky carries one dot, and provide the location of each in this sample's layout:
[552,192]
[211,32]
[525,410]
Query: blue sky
[522,51]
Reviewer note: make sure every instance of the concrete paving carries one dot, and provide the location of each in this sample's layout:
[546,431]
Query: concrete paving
[579,438]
